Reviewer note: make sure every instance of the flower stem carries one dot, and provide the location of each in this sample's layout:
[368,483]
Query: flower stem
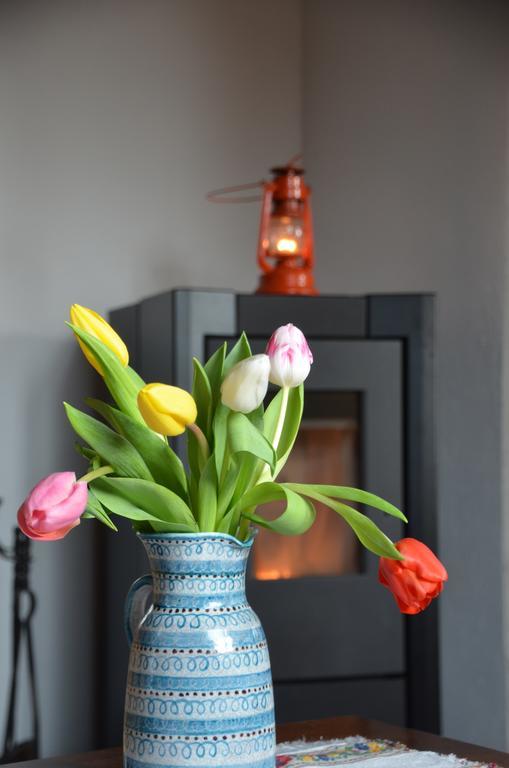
[202,441]
[243,529]
[107,470]
[281,418]
[265,474]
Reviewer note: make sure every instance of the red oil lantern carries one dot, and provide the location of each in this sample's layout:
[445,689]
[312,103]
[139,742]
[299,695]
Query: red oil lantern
[285,243]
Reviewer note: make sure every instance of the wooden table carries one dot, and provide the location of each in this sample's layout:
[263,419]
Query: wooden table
[335,727]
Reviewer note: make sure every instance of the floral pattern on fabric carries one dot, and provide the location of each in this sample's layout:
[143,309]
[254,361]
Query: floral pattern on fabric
[352,750]
[333,752]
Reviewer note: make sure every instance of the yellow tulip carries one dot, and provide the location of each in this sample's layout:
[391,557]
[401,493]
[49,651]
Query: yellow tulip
[167,410]
[92,323]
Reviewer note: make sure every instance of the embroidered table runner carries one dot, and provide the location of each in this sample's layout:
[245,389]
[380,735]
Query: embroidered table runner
[371,753]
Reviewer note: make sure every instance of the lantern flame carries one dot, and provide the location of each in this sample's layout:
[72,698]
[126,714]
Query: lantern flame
[286,245]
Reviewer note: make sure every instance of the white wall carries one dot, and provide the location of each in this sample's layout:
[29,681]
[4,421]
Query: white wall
[405,135]
[117,117]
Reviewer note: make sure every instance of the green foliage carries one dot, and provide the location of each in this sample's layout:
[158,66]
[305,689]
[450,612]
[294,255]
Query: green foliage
[352,494]
[243,437]
[207,497]
[121,506]
[240,351]
[202,394]
[220,435]
[162,462]
[96,509]
[87,453]
[112,447]
[250,451]
[365,529]
[122,382]
[291,423]
[214,370]
[226,489]
[193,455]
[228,484]
[297,517]
[144,500]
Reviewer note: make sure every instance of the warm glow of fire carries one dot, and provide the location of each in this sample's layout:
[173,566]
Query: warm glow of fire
[286,245]
[270,574]
[321,454]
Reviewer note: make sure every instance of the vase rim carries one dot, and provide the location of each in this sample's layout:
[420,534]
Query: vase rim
[201,535]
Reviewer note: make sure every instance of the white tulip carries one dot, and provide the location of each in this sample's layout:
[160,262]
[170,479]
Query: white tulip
[290,356]
[245,386]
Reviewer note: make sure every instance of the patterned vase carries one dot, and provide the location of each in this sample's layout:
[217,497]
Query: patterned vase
[199,686]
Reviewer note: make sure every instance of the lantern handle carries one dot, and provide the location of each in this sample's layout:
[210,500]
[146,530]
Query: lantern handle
[309,256]
[268,193]
[223,195]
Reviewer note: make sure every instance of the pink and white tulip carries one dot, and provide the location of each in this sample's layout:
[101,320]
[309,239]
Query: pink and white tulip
[53,507]
[245,386]
[290,356]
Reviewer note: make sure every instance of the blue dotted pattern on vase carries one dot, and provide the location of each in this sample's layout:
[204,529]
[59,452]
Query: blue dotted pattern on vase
[199,687]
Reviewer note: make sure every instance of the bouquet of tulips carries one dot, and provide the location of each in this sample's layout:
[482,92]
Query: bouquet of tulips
[235,452]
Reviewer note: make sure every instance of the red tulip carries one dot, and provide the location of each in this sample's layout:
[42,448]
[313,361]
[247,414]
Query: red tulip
[416,580]
[53,507]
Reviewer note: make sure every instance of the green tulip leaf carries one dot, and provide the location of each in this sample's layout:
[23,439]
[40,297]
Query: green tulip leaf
[194,458]
[244,437]
[240,351]
[112,447]
[202,394]
[251,449]
[163,463]
[226,489]
[135,378]
[87,453]
[119,505]
[192,489]
[248,472]
[207,496]
[153,501]
[95,509]
[352,494]
[225,523]
[122,507]
[122,382]
[219,431]
[368,533]
[256,418]
[214,370]
[230,522]
[298,516]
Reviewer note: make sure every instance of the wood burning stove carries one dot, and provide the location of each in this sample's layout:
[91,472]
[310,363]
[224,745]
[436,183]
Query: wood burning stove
[368,421]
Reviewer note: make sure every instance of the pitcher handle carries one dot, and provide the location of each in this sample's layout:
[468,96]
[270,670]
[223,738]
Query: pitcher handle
[138,603]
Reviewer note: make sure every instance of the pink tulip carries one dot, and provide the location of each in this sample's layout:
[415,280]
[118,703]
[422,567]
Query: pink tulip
[53,507]
[290,356]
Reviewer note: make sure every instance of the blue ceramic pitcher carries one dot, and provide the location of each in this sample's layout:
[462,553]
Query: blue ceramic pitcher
[199,685]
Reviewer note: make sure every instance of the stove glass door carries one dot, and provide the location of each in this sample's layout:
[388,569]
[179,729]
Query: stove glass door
[326,451]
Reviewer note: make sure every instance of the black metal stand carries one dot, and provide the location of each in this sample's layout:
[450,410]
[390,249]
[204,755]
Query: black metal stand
[24,604]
